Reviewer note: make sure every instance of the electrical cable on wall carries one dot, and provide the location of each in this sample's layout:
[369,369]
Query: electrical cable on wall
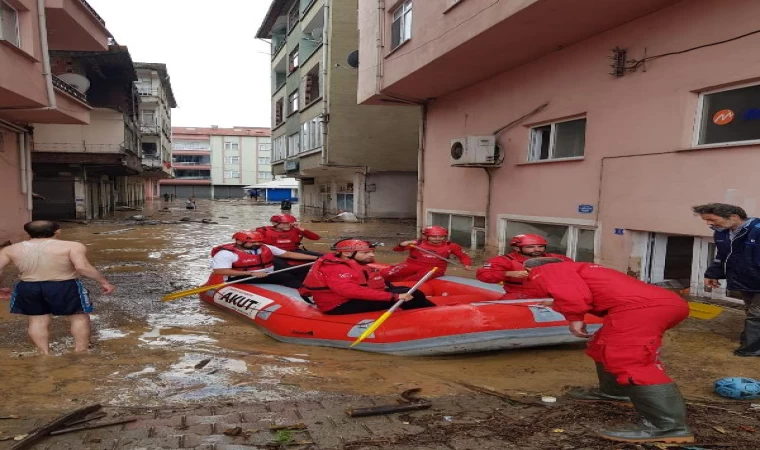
[632,65]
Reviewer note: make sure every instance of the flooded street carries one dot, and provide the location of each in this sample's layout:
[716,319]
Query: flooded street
[152,354]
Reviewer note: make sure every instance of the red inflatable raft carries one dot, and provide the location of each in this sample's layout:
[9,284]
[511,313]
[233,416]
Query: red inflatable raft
[469,318]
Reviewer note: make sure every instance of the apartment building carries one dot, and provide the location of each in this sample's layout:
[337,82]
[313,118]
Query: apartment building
[155,120]
[218,162]
[31,94]
[361,159]
[86,171]
[596,123]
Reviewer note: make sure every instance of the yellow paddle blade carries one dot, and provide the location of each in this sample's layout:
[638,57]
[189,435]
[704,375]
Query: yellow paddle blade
[372,327]
[198,290]
[704,311]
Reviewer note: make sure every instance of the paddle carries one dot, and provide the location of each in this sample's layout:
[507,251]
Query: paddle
[180,294]
[388,313]
[438,256]
[704,311]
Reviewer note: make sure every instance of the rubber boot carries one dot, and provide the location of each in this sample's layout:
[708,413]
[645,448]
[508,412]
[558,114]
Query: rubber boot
[609,390]
[664,412]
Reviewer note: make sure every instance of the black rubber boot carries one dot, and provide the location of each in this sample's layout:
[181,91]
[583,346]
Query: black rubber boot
[664,413]
[609,390]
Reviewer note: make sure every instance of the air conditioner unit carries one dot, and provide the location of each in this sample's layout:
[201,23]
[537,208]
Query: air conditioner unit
[475,151]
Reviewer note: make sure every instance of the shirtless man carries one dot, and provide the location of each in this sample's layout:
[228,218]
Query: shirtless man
[48,269]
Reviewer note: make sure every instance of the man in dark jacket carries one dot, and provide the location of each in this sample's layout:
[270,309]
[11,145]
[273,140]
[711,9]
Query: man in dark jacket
[737,260]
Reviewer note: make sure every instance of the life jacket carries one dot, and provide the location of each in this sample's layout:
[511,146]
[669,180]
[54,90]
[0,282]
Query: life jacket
[286,240]
[524,285]
[316,281]
[248,261]
[419,257]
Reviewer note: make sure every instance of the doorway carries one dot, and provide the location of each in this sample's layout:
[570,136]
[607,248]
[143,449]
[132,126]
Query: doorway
[668,261]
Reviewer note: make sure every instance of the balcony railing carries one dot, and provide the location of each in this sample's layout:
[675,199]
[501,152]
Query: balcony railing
[94,13]
[190,147]
[192,177]
[69,89]
[191,163]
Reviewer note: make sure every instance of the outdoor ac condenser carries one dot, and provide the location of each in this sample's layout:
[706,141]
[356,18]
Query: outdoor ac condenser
[475,151]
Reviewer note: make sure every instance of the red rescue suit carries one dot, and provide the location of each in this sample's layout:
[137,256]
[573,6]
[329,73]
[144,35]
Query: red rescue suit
[333,281]
[419,263]
[636,315]
[248,261]
[493,272]
[289,240]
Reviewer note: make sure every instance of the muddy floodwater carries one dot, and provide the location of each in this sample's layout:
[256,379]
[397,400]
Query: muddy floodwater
[149,353]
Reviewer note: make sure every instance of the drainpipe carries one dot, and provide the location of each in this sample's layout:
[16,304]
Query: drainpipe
[28,168]
[421,171]
[325,85]
[46,70]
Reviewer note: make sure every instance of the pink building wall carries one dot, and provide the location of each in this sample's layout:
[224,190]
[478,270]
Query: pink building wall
[646,112]
[15,210]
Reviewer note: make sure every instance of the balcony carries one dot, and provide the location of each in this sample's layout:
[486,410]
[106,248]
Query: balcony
[75,26]
[180,165]
[71,108]
[149,128]
[510,34]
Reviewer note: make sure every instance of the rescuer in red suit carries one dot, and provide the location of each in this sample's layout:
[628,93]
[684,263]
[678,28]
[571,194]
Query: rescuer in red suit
[343,283]
[421,261]
[285,233]
[508,269]
[627,347]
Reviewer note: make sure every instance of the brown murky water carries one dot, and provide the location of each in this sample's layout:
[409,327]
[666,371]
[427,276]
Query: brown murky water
[146,352]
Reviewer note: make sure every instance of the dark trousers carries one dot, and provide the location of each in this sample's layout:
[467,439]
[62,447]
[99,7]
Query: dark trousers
[355,306]
[750,338]
[283,279]
[300,273]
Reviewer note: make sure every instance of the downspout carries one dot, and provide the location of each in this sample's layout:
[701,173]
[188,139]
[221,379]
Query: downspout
[325,85]
[421,171]
[28,152]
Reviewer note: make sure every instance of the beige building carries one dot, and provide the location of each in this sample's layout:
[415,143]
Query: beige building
[218,162]
[352,158]
[155,121]
[87,170]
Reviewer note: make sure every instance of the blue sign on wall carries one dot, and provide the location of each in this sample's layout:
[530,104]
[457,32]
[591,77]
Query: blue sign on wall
[585,209]
[619,231]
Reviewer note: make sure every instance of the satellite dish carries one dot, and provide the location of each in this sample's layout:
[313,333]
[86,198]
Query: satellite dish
[353,59]
[317,34]
[79,82]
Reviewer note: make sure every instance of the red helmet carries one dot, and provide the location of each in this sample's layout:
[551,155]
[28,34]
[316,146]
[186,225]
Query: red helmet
[522,240]
[283,218]
[435,230]
[248,236]
[353,245]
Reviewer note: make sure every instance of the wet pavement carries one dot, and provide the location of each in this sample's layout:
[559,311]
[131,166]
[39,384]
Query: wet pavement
[182,355]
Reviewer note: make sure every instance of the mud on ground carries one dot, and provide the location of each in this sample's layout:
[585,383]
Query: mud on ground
[146,356]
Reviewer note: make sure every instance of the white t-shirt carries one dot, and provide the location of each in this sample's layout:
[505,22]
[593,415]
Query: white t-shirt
[225,258]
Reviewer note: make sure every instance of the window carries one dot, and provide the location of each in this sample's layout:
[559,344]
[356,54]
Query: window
[310,86]
[264,161]
[558,140]
[401,28]
[232,160]
[231,146]
[572,241]
[467,231]
[730,115]
[293,102]
[294,144]
[280,148]
[293,17]
[265,176]
[229,174]
[311,134]
[149,148]
[9,24]
[265,147]
[279,109]
[149,118]
[293,60]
